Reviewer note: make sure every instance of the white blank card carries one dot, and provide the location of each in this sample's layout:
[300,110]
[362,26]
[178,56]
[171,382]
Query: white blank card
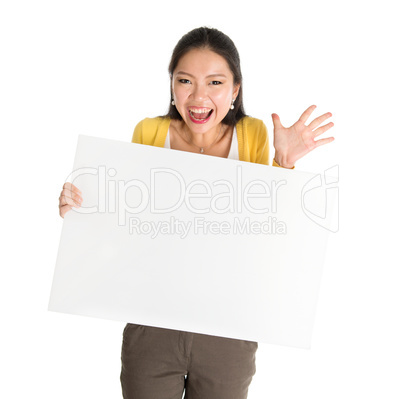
[192,242]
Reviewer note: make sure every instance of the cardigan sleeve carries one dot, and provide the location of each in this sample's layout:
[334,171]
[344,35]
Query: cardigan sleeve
[138,133]
[262,154]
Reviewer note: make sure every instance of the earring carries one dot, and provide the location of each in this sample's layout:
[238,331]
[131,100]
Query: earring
[173,102]
[232,106]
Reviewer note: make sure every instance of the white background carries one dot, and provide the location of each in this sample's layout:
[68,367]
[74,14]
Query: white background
[97,68]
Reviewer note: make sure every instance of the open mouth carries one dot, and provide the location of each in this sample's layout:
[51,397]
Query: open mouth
[200,115]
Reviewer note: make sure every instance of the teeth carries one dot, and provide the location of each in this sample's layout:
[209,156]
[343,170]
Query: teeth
[200,110]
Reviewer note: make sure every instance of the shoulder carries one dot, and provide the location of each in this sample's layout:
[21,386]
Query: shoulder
[253,128]
[149,129]
[253,140]
[150,124]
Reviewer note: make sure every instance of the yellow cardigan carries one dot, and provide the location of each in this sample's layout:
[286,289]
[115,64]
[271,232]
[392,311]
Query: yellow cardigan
[252,137]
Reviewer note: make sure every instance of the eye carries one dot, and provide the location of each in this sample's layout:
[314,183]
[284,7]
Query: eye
[184,81]
[216,82]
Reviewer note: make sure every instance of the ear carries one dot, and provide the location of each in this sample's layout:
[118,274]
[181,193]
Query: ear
[236,90]
[171,88]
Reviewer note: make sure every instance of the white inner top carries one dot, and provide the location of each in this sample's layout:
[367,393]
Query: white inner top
[234,146]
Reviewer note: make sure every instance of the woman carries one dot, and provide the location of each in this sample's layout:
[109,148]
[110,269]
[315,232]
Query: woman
[206,116]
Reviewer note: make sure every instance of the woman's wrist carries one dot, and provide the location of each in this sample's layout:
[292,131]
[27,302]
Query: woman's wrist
[281,161]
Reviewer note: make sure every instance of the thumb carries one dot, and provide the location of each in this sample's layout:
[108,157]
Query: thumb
[276,121]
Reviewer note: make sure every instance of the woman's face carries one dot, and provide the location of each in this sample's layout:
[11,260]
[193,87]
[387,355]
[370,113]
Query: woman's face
[203,89]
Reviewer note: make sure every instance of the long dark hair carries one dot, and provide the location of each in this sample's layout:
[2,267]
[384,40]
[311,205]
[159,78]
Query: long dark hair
[218,42]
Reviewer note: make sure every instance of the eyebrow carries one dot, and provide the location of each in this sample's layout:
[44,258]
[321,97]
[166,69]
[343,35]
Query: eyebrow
[209,76]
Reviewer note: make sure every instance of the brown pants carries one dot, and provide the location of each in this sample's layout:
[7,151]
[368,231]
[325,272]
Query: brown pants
[159,364]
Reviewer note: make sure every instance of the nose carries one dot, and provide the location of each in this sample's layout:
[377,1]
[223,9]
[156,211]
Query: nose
[199,92]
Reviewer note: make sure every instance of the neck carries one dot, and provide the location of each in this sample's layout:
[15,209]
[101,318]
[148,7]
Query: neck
[206,139]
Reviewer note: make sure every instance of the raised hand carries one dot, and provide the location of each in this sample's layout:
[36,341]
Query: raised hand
[292,143]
